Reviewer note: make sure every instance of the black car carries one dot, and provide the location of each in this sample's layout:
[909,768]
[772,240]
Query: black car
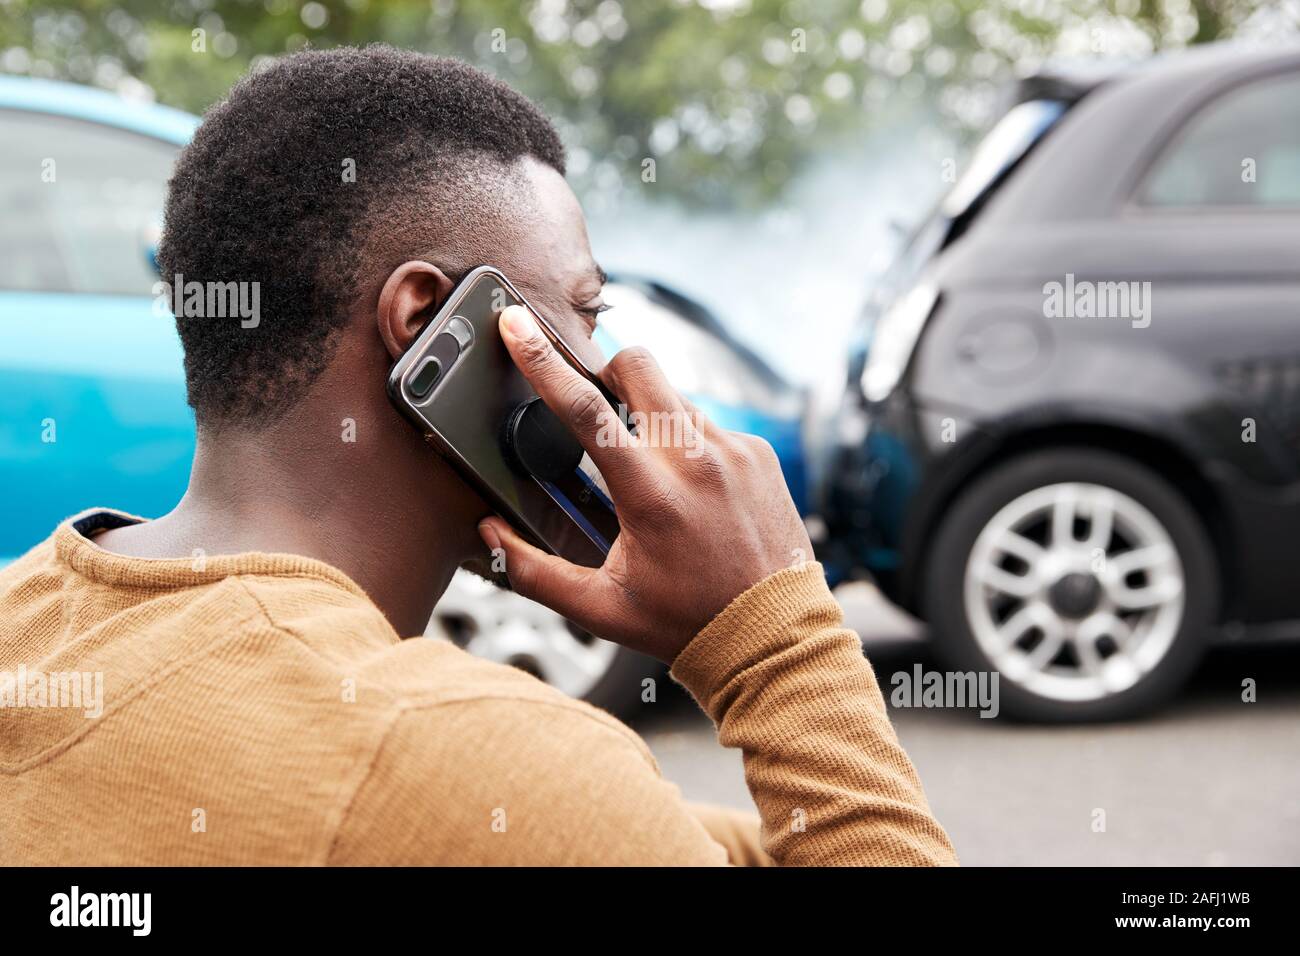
[1071,441]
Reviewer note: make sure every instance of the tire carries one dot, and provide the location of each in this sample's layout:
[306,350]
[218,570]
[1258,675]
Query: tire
[1066,649]
[619,690]
[501,626]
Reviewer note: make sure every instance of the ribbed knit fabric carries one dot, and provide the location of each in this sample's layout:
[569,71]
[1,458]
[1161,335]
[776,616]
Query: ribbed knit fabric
[258,709]
[786,682]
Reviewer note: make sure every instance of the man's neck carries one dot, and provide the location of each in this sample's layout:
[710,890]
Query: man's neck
[261,493]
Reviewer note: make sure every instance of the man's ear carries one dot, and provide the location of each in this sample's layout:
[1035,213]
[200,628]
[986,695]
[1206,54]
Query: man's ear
[409,297]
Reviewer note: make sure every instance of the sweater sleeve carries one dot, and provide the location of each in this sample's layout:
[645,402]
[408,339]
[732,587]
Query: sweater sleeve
[540,779]
[787,683]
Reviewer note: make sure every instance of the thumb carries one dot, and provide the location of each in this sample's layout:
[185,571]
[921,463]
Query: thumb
[545,578]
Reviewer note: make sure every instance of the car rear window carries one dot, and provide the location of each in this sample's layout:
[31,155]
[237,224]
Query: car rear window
[83,205]
[1242,149]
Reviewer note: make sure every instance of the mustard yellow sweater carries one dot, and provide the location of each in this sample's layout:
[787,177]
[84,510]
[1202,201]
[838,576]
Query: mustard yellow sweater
[258,709]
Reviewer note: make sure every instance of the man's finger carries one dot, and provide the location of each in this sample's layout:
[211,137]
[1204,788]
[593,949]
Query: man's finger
[577,402]
[706,425]
[562,586]
[636,378]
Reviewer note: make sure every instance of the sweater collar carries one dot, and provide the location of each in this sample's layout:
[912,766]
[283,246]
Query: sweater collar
[75,547]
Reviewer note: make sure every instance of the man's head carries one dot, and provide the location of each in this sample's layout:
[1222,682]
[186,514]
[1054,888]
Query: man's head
[354,186]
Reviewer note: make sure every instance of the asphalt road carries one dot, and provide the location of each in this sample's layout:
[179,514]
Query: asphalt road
[1209,781]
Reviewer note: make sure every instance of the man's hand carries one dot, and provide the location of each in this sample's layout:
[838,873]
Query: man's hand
[704,512]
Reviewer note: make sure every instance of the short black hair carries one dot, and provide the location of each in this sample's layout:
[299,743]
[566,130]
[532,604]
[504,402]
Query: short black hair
[261,195]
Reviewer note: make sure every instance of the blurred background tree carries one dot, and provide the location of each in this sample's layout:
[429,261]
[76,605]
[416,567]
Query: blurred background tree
[729,98]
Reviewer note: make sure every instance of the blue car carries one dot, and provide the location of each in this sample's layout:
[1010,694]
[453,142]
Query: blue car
[92,395]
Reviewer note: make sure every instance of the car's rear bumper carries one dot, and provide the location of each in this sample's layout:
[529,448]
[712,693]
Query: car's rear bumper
[886,483]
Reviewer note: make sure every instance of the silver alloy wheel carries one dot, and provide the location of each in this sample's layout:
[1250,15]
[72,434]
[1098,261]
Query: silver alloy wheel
[1074,591]
[502,626]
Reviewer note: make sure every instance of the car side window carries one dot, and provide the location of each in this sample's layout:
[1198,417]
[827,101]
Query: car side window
[82,204]
[1242,149]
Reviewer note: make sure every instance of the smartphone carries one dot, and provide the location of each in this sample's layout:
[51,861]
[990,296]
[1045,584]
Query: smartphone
[458,385]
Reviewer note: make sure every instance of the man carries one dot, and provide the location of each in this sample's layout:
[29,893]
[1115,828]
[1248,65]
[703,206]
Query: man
[260,705]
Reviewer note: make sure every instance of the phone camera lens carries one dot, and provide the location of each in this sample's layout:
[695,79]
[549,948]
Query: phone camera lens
[426,376]
[460,329]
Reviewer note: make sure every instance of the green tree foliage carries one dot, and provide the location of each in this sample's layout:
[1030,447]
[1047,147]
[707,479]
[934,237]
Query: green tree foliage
[727,97]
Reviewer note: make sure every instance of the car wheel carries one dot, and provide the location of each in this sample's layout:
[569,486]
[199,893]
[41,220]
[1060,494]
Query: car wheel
[501,626]
[1083,578]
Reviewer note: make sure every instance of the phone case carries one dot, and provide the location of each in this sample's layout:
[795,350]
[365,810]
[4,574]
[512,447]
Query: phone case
[467,415]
